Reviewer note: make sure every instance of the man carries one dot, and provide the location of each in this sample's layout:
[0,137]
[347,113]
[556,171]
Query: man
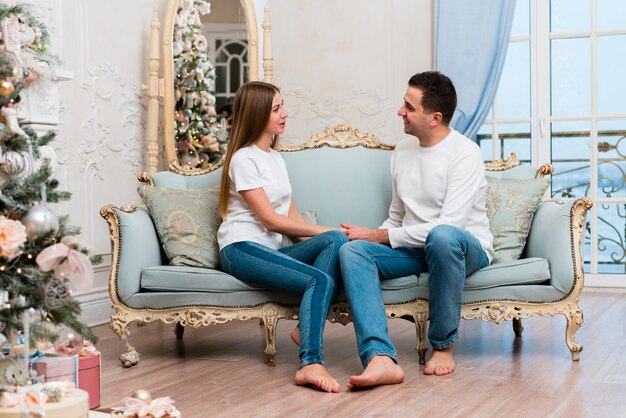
[437,223]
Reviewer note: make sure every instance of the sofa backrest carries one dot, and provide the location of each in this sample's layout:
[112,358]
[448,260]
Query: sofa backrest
[344,185]
[342,174]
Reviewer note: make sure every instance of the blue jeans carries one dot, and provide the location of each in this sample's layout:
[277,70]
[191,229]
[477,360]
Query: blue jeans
[450,254]
[309,268]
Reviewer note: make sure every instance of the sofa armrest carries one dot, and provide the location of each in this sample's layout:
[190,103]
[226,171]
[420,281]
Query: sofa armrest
[135,246]
[556,235]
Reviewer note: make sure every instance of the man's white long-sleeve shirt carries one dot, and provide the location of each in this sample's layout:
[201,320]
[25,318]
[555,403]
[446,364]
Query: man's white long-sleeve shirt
[441,184]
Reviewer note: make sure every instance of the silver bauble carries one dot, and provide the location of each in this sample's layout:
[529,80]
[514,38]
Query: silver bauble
[56,293]
[39,220]
[16,165]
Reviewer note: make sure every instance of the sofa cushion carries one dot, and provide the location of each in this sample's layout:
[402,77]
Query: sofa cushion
[186,221]
[511,205]
[510,273]
[191,279]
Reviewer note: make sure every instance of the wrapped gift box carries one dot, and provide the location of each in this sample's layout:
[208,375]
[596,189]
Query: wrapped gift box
[56,369]
[89,377]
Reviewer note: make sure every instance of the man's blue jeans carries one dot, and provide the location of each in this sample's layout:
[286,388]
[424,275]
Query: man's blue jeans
[450,254]
[309,268]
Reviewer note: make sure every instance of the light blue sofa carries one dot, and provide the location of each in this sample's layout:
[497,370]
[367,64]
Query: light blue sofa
[345,176]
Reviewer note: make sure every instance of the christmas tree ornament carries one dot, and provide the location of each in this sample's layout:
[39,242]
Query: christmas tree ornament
[177,48]
[13,62]
[40,220]
[16,165]
[68,341]
[204,7]
[12,237]
[143,395]
[6,88]
[200,42]
[68,263]
[56,293]
[9,114]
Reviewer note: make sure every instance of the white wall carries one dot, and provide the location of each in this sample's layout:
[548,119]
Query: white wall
[337,61]
[348,61]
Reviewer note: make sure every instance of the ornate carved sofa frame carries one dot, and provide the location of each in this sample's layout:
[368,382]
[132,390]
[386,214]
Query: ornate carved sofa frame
[345,176]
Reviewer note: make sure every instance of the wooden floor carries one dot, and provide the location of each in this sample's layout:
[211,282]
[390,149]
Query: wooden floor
[219,371]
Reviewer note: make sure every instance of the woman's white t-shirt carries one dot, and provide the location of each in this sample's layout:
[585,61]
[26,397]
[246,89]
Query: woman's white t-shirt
[252,168]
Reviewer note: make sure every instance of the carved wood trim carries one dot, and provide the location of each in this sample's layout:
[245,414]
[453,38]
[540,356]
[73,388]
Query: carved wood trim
[145,178]
[501,165]
[340,136]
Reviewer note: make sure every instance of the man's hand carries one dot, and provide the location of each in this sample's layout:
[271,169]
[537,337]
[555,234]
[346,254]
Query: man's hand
[354,232]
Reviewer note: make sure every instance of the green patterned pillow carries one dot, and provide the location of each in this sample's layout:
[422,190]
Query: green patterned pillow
[310,217]
[511,205]
[186,221]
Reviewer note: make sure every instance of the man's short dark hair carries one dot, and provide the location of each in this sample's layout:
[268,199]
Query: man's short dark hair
[439,94]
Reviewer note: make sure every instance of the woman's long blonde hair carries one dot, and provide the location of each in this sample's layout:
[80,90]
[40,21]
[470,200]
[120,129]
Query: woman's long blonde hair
[251,112]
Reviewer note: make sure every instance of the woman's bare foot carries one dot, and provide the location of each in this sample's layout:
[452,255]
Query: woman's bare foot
[295,336]
[441,362]
[381,370]
[318,376]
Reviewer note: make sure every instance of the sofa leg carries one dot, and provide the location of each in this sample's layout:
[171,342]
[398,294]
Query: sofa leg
[574,316]
[270,320]
[130,357]
[120,326]
[518,328]
[421,320]
[179,330]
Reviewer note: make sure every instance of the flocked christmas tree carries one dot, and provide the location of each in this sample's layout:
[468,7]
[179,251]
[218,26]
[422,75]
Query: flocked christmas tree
[201,135]
[40,260]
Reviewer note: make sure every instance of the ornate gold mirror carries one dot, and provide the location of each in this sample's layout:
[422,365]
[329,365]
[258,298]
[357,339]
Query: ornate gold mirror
[210,48]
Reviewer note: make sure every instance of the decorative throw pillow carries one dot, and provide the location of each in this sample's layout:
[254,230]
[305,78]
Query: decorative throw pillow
[310,217]
[511,205]
[186,221]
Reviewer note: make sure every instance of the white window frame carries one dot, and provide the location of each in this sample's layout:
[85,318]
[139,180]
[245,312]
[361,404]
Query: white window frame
[224,32]
[541,120]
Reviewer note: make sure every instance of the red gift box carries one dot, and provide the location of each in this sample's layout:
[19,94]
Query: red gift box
[89,377]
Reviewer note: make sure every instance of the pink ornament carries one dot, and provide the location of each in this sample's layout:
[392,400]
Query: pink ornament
[32,76]
[67,263]
[68,342]
[183,146]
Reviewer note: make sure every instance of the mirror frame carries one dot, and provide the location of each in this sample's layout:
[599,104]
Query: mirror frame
[168,81]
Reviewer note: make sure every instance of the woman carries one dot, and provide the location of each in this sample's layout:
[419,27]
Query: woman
[257,208]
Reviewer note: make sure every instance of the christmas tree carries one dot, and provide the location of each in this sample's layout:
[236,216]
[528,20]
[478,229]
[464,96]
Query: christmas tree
[201,134]
[40,260]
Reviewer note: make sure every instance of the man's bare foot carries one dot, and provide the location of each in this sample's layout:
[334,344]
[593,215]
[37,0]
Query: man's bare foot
[441,362]
[318,376]
[381,370]
[295,336]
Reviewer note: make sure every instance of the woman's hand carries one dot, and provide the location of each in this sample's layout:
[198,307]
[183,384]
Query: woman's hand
[274,222]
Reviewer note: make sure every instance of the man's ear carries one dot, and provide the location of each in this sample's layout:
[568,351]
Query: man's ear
[436,120]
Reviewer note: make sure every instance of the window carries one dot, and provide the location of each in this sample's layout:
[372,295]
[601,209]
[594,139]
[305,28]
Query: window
[558,102]
[228,49]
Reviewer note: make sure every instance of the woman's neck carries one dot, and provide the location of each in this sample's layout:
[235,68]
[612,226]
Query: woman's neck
[265,143]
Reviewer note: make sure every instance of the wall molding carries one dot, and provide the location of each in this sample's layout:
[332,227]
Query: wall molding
[96,306]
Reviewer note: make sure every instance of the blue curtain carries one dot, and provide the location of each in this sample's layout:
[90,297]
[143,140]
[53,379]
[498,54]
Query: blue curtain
[471,39]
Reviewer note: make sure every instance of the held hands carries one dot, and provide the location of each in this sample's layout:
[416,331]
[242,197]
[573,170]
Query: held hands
[355,232]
